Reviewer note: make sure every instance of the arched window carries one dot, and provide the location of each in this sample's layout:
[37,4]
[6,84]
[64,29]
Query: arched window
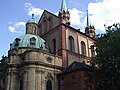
[34,30]
[32,41]
[83,48]
[40,29]
[21,84]
[71,44]
[49,85]
[54,45]
[50,22]
[45,26]
[92,51]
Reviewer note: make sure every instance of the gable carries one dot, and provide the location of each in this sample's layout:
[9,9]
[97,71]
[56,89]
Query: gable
[47,22]
[46,14]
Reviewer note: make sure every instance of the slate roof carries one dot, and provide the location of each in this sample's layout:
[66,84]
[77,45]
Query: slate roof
[75,66]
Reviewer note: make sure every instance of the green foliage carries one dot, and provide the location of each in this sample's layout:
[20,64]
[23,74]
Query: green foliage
[106,73]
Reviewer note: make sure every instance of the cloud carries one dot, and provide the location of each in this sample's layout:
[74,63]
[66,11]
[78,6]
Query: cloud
[31,9]
[76,15]
[104,12]
[75,2]
[18,27]
[11,29]
[77,18]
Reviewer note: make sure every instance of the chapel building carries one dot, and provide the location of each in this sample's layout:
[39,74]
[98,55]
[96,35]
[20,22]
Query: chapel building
[40,59]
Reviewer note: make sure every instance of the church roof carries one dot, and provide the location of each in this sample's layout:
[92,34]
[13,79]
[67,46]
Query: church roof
[29,40]
[46,12]
[76,66]
[63,6]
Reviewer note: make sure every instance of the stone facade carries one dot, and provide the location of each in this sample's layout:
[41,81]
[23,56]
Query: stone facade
[32,68]
[48,47]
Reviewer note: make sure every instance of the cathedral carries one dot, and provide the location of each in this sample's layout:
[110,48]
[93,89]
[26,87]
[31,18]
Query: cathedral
[51,55]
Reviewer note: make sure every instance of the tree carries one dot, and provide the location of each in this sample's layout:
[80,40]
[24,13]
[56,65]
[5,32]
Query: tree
[106,64]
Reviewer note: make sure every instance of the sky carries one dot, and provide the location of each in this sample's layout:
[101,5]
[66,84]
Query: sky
[15,13]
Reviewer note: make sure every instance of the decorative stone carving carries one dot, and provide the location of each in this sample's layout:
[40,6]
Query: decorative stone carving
[49,75]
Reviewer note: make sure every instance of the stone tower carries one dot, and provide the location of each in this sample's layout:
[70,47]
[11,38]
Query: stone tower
[64,14]
[89,30]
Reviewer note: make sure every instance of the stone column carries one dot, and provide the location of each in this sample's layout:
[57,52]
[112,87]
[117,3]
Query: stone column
[38,80]
[9,81]
[30,79]
[43,84]
[12,80]
[25,80]
[55,81]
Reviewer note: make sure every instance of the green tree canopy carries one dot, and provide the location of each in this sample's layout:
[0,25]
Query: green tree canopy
[106,73]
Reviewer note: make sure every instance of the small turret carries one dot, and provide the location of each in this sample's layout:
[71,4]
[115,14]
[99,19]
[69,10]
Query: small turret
[89,30]
[32,26]
[64,14]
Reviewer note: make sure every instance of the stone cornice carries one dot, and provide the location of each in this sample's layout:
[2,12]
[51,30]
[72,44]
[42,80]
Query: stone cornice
[23,64]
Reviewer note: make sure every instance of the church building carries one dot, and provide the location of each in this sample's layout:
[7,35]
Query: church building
[50,48]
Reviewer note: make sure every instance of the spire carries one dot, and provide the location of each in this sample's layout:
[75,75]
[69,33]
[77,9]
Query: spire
[63,6]
[64,14]
[89,30]
[88,20]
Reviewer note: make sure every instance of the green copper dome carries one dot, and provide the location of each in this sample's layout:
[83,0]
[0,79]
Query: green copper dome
[32,20]
[29,40]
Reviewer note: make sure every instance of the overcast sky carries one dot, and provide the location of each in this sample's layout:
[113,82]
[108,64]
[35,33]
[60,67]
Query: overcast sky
[15,13]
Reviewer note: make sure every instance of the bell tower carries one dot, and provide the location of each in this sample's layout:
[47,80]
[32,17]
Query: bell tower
[32,26]
[89,30]
[64,14]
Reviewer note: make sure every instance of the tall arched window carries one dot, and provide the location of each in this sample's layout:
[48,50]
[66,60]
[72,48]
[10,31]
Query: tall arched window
[34,30]
[92,51]
[71,44]
[83,48]
[54,45]
[49,85]
[40,29]
[45,26]
[50,22]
